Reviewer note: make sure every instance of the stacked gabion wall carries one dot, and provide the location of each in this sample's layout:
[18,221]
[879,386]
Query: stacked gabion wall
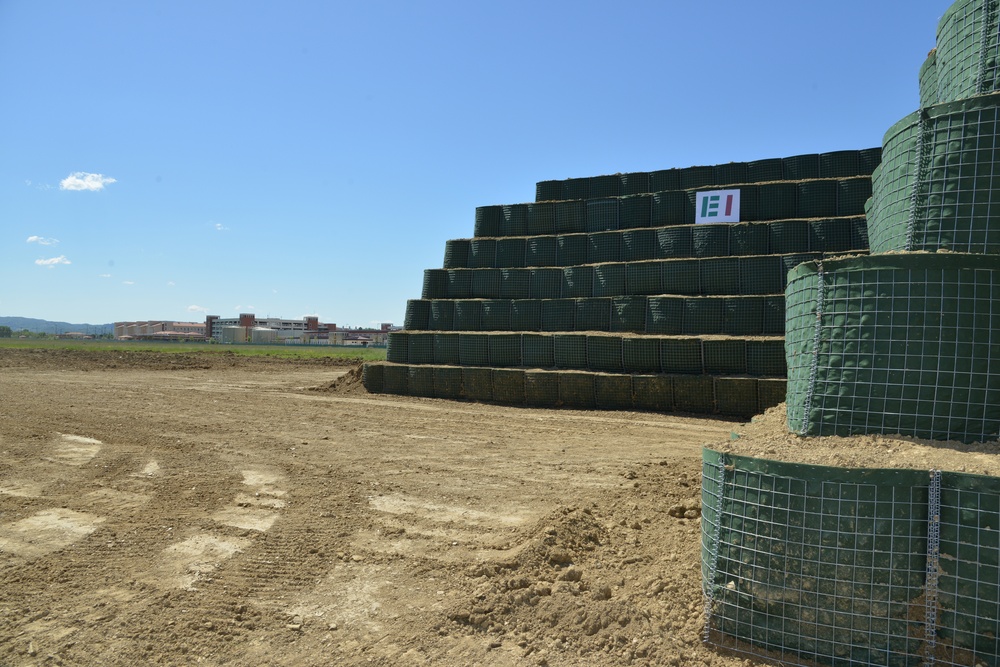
[604,294]
[903,341]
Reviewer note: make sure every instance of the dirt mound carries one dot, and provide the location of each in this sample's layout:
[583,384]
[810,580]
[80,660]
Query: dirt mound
[767,436]
[348,383]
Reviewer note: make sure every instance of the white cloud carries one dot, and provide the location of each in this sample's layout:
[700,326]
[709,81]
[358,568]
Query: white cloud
[51,263]
[220,227]
[41,240]
[197,309]
[170,283]
[128,282]
[81,180]
[104,275]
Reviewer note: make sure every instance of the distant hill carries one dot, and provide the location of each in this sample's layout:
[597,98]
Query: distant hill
[46,326]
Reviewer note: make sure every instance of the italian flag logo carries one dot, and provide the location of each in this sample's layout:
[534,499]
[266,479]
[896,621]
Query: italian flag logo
[717,206]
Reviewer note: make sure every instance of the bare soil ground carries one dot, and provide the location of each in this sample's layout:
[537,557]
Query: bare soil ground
[222,510]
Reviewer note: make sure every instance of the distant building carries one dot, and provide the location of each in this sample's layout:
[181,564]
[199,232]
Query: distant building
[160,330]
[248,328]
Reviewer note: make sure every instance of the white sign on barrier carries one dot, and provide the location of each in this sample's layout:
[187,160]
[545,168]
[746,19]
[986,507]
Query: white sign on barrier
[717,206]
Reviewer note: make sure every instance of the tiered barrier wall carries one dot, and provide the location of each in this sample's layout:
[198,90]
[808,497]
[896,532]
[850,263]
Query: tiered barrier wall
[604,294]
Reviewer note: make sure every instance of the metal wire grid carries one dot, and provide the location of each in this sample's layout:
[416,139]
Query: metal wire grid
[909,347]
[929,81]
[962,183]
[745,315]
[938,185]
[968,585]
[827,571]
[892,186]
[967,50]
[584,389]
[609,353]
[732,173]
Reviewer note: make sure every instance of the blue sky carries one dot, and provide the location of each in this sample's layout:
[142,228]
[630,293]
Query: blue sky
[168,160]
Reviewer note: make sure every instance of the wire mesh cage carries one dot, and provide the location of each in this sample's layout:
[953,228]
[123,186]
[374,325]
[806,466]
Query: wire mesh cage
[609,279]
[578,281]
[571,217]
[536,350]
[765,171]
[593,314]
[696,177]
[635,211]
[576,390]
[442,315]
[468,315]
[459,283]
[511,252]
[654,393]
[546,191]
[541,218]
[604,247]
[928,80]
[800,167]
[508,386]
[558,315]
[448,382]
[540,251]
[515,220]
[938,186]
[641,354]
[602,214]
[628,313]
[488,221]
[504,349]
[613,391]
[822,565]
[482,253]
[638,245]
[967,50]
[486,284]
[456,254]
[420,348]
[477,383]
[446,350]
[839,164]
[665,180]
[541,388]
[372,375]
[496,315]
[571,249]
[418,314]
[749,239]
[681,355]
[643,278]
[604,353]
[725,356]
[515,283]
[730,173]
[474,349]
[634,183]
[569,350]
[735,396]
[899,343]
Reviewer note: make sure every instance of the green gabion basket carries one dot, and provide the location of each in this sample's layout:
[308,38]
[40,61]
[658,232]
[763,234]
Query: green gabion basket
[900,343]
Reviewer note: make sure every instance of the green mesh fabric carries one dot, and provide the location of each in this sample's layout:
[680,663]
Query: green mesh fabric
[967,50]
[895,344]
[938,186]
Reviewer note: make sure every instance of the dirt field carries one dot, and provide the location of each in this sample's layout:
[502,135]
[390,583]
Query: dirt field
[219,510]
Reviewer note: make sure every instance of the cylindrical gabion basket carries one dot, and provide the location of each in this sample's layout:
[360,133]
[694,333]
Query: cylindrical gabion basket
[895,344]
